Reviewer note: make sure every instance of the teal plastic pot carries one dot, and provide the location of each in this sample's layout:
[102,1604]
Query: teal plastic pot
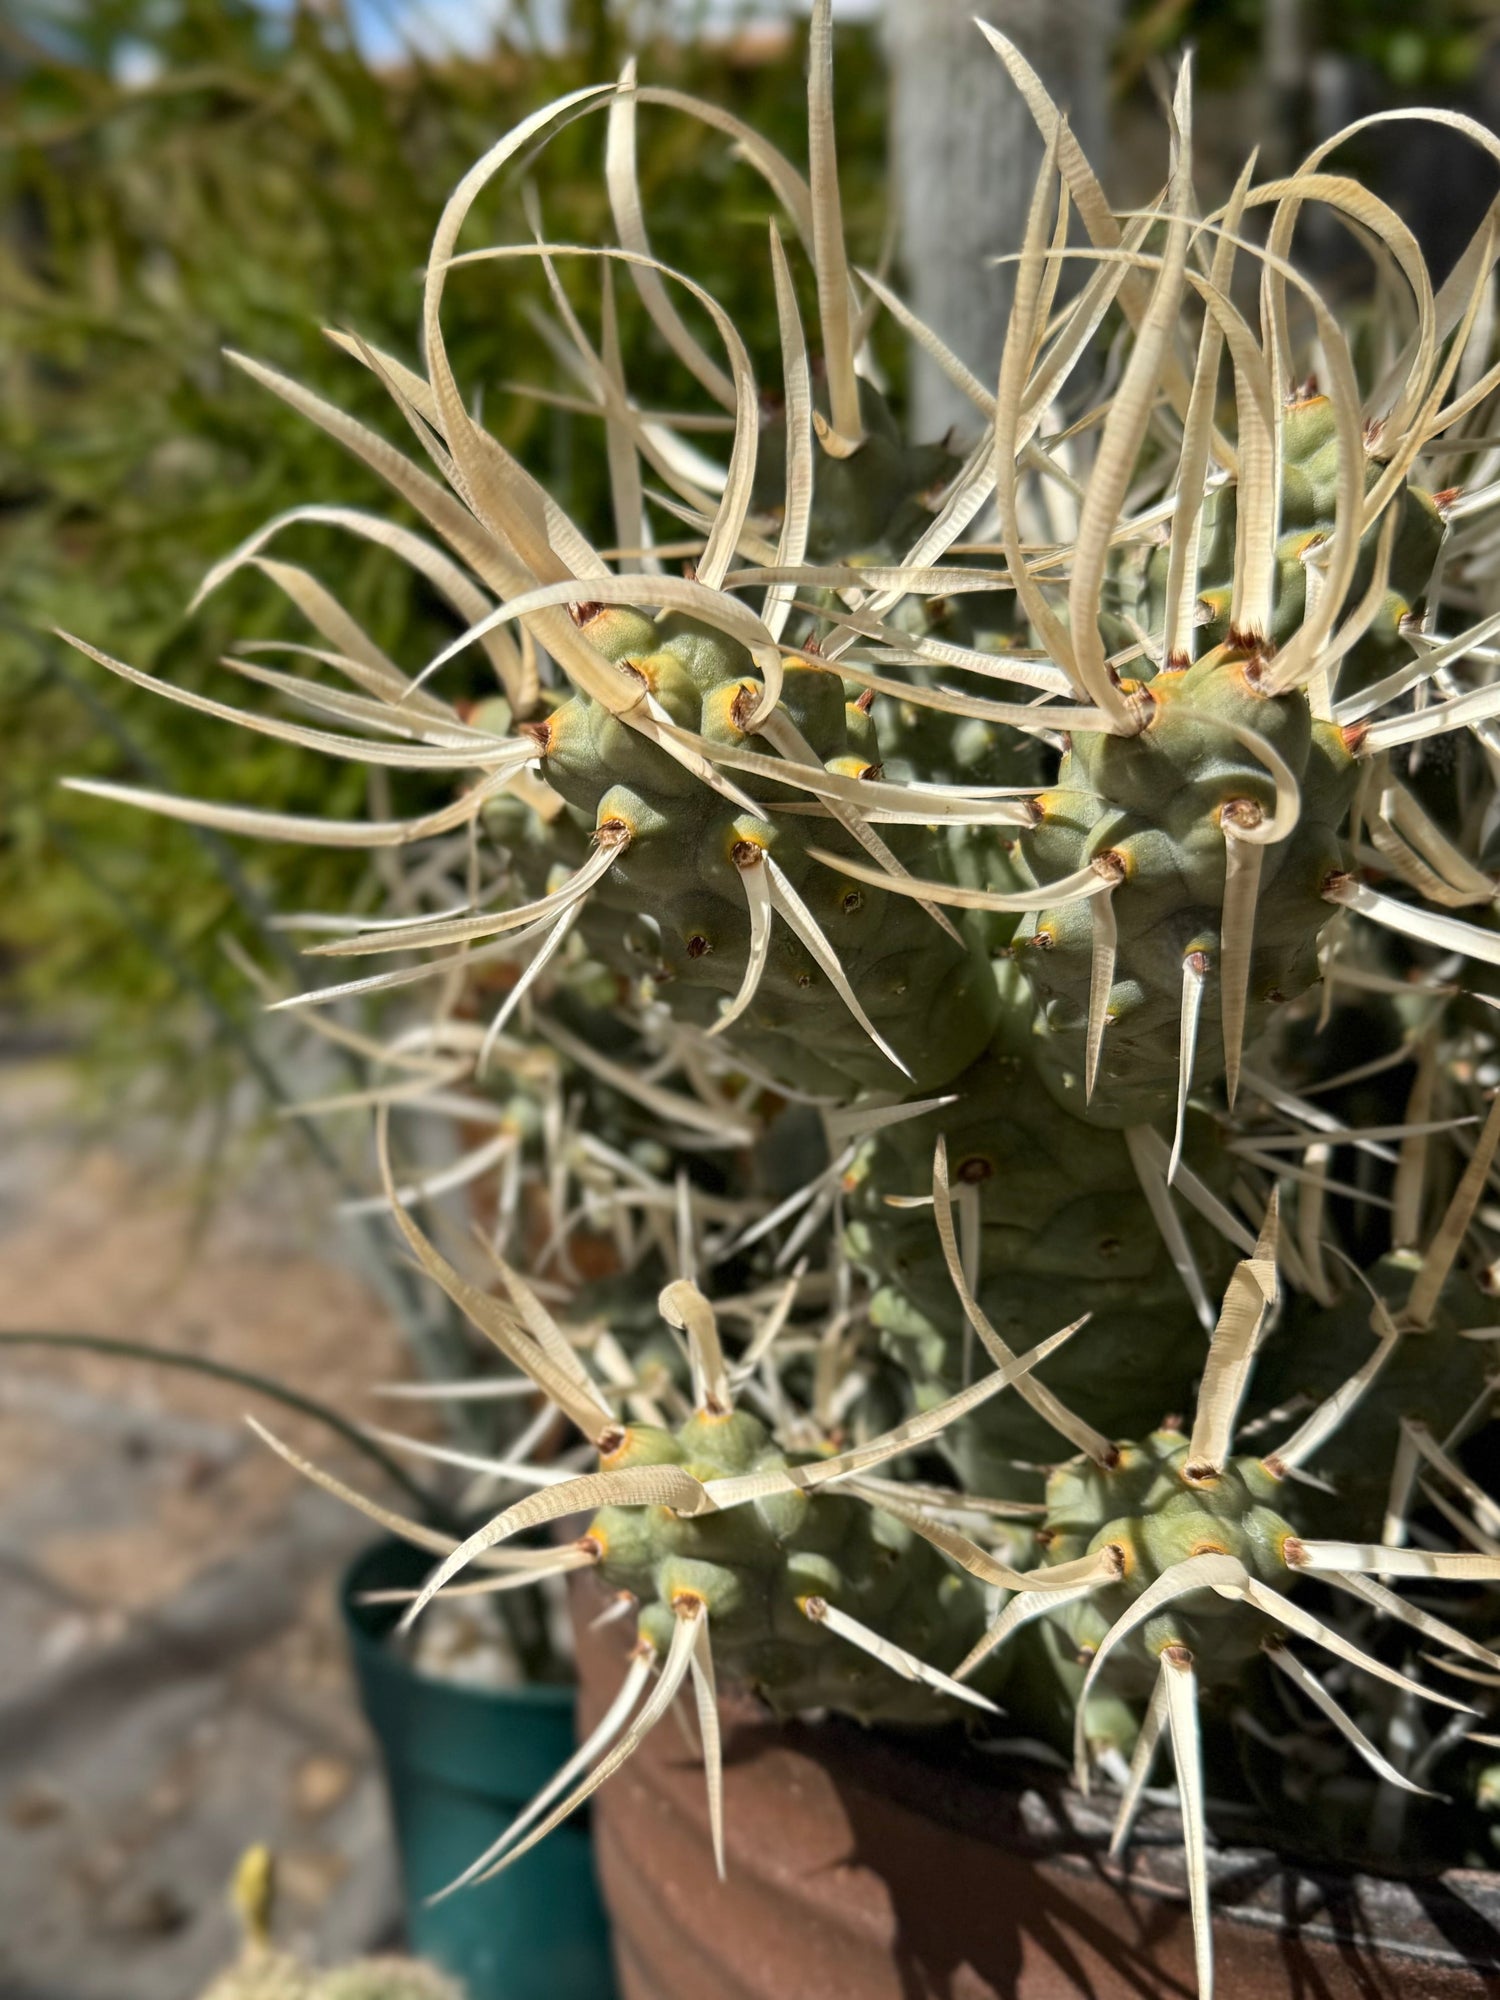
[460,1763]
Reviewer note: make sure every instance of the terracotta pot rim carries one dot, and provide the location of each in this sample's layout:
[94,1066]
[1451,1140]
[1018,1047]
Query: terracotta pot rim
[1056,1826]
[878,1794]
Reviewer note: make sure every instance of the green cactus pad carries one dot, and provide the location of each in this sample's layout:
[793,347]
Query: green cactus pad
[1152,808]
[1156,1512]
[753,1568]
[675,894]
[1065,1229]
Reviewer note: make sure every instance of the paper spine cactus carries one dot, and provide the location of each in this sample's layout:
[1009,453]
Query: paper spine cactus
[993,862]
[264,1973]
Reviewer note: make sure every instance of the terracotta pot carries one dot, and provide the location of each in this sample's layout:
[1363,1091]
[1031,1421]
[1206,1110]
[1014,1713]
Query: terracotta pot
[874,1866]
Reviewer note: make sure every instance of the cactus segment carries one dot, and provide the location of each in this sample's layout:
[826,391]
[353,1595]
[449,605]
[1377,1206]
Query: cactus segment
[755,1569]
[675,905]
[263,1973]
[1148,1509]
[1034,1216]
[1216,764]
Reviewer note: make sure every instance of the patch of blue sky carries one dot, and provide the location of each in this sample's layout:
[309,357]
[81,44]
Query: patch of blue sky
[387,29]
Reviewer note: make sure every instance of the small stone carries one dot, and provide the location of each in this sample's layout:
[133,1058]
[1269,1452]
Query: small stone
[34,1804]
[320,1782]
[309,1875]
[153,1910]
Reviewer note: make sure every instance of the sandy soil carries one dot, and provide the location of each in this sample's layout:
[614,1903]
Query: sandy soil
[172,1683]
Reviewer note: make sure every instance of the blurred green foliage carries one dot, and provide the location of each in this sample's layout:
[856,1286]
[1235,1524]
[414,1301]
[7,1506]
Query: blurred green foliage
[177,176]
[1429,49]
[251,180]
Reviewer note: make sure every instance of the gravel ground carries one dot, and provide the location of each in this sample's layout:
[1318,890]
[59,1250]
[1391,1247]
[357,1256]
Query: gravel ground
[172,1682]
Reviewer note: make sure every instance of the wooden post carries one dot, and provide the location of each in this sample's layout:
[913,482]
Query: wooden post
[965,153]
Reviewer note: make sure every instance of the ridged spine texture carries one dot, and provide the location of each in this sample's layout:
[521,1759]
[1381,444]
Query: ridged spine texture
[871,508]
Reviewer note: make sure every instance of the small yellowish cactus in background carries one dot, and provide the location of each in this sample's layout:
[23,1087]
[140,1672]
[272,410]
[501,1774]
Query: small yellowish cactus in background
[385,1979]
[263,1973]
[253,1895]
